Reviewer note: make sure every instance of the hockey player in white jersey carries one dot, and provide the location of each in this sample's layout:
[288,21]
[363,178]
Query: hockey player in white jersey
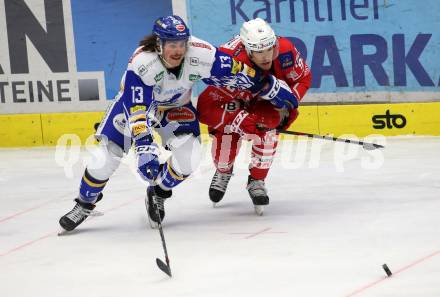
[155,94]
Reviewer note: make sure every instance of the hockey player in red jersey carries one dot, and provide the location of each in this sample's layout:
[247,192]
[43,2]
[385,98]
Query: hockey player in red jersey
[232,116]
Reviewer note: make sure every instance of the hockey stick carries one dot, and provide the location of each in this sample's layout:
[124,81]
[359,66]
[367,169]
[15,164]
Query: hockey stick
[162,266]
[366,145]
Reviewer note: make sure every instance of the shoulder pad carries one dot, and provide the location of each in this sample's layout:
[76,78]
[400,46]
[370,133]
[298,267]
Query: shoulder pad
[285,45]
[201,55]
[233,47]
[147,66]
[232,44]
[287,53]
[196,43]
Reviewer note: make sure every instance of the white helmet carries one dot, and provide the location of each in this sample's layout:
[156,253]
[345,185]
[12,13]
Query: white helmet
[257,35]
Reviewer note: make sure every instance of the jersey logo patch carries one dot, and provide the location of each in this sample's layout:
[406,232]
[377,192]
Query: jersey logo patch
[200,44]
[180,28]
[194,77]
[236,66]
[119,122]
[181,114]
[142,70]
[237,52]
[232,106]
[286,60]
[194,61]
[139,128]
[158,76]
[137,108]
[157,89]
[250,72]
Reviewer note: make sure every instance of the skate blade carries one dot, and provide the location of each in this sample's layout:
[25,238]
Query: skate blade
[62,232]
[214,204]
[96,213]
[259,209]
[153,224]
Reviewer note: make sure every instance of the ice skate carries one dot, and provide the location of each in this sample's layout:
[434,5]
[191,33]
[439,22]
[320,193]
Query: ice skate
[78,214]
[154,202]
[218,186]
[258,193]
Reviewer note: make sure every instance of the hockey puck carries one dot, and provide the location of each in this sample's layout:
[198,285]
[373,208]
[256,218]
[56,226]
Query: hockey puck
[387,270]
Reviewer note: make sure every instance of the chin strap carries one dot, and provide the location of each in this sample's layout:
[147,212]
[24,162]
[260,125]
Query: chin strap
[160,48]
[167,65]
[160,52]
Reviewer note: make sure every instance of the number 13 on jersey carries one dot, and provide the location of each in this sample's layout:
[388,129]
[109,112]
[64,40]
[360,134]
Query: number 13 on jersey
[137,94]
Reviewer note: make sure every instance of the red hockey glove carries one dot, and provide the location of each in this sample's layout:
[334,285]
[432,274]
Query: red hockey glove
[268,116]
[259,118]
[245,123]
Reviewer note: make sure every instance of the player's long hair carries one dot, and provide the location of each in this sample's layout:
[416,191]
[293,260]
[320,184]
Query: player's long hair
[149,43]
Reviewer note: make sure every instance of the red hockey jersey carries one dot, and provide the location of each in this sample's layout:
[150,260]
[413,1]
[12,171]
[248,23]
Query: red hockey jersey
[288,64]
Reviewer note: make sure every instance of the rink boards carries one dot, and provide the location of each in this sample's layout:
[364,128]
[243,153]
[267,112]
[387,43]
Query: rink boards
[25,130]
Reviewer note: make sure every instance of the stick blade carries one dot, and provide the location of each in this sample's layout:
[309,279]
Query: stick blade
[164,267]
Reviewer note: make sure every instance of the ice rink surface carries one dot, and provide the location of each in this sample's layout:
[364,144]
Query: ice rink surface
[336,215]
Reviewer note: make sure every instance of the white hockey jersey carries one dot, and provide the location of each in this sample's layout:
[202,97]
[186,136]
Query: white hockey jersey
[169,90]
